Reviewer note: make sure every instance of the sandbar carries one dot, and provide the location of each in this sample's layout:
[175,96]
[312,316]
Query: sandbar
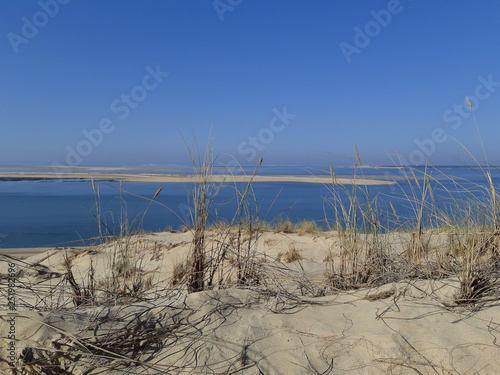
[190,178]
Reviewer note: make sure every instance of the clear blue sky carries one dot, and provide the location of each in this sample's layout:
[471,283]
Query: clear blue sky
[235,68]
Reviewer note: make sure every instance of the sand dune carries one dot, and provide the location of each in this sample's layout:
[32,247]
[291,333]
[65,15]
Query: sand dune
[286,323]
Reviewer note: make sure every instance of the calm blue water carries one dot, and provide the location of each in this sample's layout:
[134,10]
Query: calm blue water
[56,212]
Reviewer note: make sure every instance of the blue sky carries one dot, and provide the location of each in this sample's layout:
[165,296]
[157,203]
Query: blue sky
[297,82]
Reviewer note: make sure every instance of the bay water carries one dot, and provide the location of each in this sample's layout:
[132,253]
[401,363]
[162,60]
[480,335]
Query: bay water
[36,213]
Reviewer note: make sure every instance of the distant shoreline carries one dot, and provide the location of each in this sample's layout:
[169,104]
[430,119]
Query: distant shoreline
[189,178]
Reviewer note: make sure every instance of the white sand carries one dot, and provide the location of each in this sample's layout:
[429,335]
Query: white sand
[408,331]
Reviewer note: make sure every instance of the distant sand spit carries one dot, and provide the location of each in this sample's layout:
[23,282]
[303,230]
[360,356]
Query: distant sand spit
[188,178]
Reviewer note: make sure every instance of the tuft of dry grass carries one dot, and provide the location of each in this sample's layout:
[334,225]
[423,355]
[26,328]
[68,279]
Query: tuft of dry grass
[292,254]
[380,295]
[179,273]
[203,196]
[306,226]
[284,225]
[84,294]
